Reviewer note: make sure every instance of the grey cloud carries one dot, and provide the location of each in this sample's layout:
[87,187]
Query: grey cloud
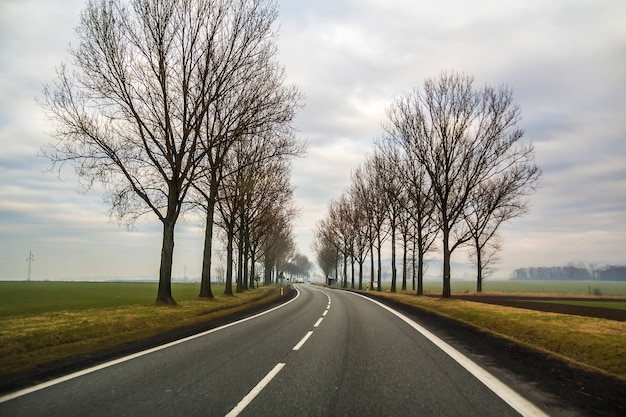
[564,60]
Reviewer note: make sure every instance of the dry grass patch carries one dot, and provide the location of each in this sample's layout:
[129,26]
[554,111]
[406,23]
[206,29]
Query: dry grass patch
[28,341]
[588,342]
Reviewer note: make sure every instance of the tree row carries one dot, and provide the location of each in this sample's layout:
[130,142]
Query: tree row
[178,105]
[450,168]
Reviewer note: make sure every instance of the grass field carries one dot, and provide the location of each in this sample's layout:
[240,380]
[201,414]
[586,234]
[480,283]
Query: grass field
[47,321]
[27,298]
[604,288]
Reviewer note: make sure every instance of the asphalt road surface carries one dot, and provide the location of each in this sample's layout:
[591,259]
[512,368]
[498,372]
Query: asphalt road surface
[324,353]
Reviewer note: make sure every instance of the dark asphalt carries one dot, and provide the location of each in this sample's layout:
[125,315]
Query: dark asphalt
[360,360]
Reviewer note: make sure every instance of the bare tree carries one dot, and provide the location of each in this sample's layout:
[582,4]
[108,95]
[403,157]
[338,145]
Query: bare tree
[277,245]
[248,99]
[130,111]
[326,252]
[462,137]
[420,210]
[485,255]
[269,192]
[387,165]
[372,191]
[368,203]
[263,230]
[361,227]
[340,225]
[495,201]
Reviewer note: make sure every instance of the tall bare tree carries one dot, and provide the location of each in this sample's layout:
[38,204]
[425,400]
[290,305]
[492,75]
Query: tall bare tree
[373,188]
[326,252]
[370,205]
[420,210]
[264,229]
[462,137]
[494,202]
[130,108]
[249,99]
[387,161]
[361,228]
[277,245]
[340,215]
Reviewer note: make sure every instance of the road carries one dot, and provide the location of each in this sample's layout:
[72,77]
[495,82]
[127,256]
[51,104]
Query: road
[325,353]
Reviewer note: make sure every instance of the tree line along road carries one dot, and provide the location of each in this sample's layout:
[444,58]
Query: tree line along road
[324,353]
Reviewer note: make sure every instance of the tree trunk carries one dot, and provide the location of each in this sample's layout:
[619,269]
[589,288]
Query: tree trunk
[228,288]
[361,273]
[446,293]
[205,281]
[420,272]
[413,266]
[352,267]
[393,258]
[248,255]
[479,267]
[372,264]
[345,272]
[164,293]
[240,266]
[380,282]
[252,270]
[267,273]
[405,246]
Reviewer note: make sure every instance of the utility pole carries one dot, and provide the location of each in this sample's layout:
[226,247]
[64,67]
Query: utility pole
[30,260]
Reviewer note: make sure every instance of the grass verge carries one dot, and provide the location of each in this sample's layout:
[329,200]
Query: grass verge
[590,343]
[29,340]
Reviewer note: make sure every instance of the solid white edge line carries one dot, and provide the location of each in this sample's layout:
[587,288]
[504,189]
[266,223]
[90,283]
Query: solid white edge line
[303,341]
[255,391]
[317,323]
[512,398]
[68,377]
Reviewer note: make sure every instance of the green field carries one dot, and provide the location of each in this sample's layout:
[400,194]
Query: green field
[605,288]
[28,298]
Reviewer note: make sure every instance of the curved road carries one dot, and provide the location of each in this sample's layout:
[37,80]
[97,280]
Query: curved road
[325,353]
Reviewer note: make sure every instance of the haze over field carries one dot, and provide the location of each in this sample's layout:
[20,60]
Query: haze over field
[564,60]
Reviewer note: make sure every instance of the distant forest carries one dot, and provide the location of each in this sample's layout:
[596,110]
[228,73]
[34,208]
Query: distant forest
[579,272]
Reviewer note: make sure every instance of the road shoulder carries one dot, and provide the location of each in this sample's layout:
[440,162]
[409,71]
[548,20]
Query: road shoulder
[539,377]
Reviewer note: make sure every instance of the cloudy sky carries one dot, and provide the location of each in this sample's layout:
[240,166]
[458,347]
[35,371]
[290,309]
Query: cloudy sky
[564,59]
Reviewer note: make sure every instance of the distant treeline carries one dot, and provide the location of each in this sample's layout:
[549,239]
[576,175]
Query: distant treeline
[571,273]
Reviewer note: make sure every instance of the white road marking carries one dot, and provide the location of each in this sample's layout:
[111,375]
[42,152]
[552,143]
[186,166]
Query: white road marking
[303,341]
[512,398]
[318,322]
[68,377]
[255,391]
[324,313]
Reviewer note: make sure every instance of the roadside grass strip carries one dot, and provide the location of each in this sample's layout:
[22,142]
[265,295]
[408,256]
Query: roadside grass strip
[29,340]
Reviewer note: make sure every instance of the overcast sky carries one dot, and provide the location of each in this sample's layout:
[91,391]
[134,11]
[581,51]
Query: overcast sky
[564,59]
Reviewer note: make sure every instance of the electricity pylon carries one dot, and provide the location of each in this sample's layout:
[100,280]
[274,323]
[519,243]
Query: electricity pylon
[30,259]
